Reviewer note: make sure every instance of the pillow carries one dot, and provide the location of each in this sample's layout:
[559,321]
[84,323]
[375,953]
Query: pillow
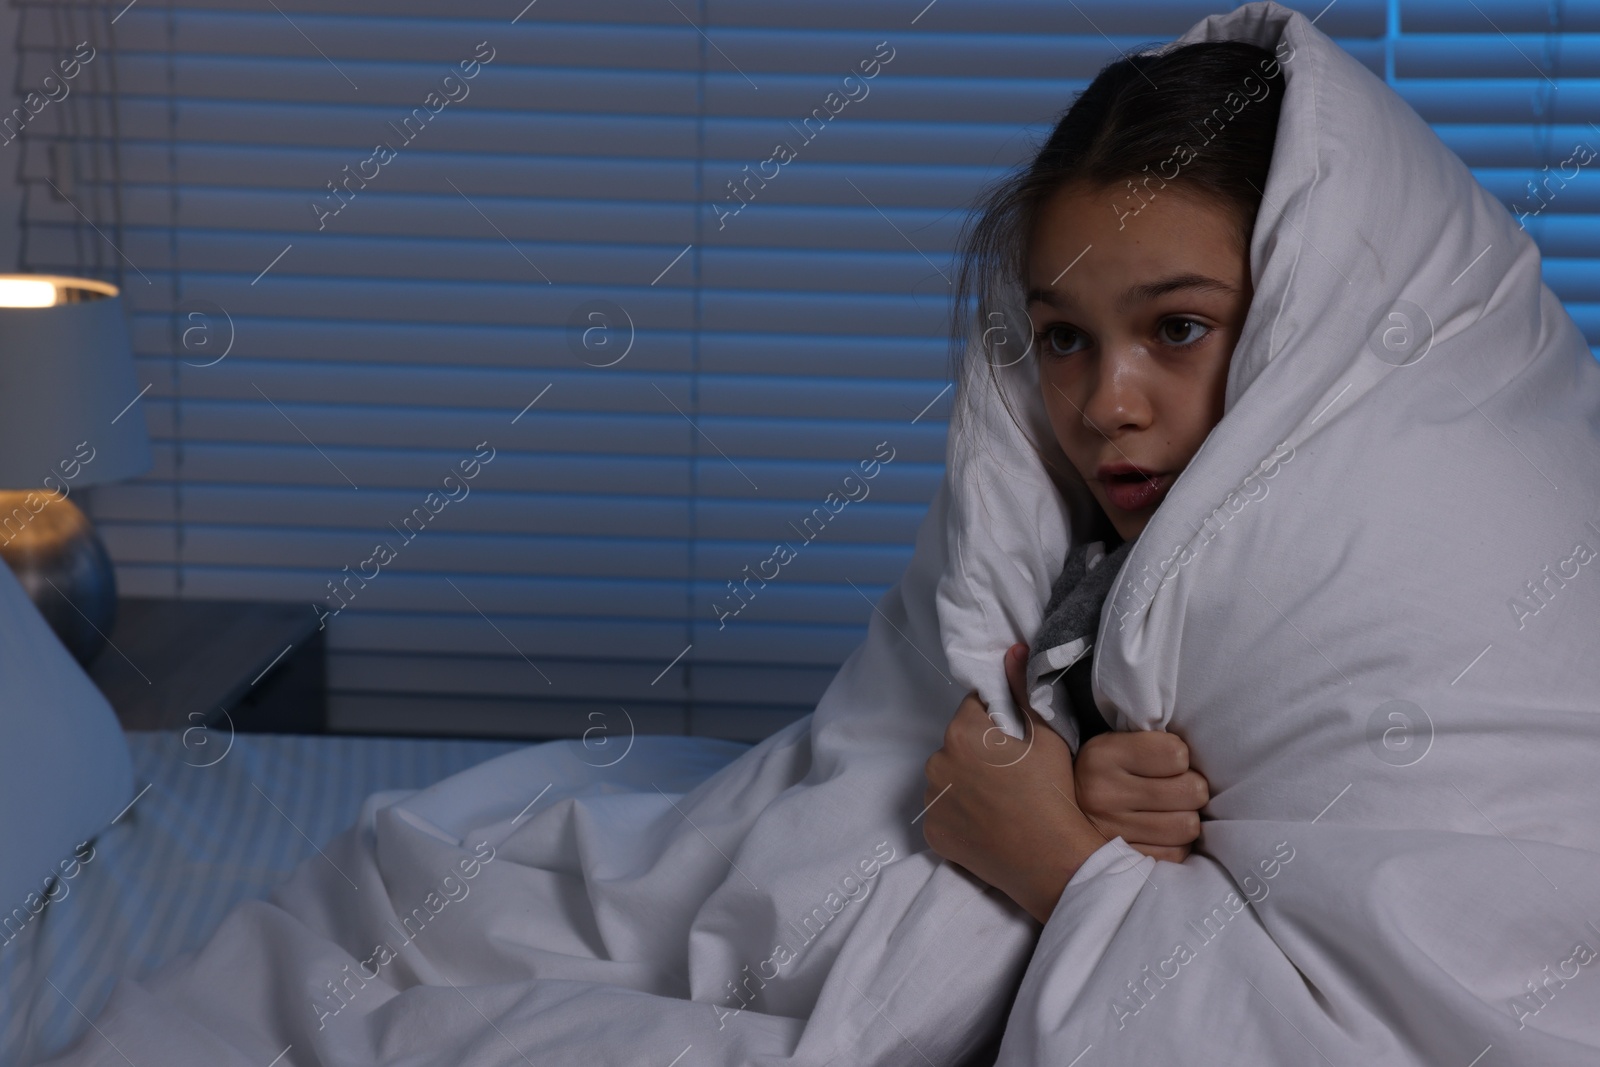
[65,772]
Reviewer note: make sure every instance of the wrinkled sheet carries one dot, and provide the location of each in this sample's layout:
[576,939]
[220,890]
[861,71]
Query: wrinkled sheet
[1400,861]
[573,904]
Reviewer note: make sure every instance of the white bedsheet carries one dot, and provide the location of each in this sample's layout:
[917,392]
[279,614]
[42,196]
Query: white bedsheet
[1349,903]
[601,914]
[216,821]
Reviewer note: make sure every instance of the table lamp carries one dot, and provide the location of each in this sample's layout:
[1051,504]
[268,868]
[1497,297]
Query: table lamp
[67,421]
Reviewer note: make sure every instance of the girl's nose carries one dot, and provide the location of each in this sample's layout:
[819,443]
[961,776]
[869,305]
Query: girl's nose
[1116,398]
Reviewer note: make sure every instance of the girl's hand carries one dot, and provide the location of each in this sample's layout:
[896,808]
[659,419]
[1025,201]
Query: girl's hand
[1136,784]
[1003,808]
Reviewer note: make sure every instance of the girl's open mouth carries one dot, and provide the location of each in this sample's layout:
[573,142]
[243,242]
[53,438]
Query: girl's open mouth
[1135,490]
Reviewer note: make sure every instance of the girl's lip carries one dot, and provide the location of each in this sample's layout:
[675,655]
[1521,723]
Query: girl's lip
[1136,495]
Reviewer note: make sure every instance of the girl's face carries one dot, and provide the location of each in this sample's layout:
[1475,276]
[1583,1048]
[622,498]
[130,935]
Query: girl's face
[1134,335]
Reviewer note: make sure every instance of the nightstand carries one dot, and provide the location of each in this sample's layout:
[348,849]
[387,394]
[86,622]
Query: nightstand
[174,664]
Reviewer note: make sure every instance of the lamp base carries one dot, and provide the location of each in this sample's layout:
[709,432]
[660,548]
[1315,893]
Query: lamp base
[59,559]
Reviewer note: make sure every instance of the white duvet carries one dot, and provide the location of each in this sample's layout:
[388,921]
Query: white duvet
[1370,605]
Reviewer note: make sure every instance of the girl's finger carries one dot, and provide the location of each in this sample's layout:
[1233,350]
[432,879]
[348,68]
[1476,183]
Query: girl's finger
[1180,792]
[1017,673]
[1146,753]
[1170,828]
[1171,855]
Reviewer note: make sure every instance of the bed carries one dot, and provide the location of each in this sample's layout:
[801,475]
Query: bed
[211,826]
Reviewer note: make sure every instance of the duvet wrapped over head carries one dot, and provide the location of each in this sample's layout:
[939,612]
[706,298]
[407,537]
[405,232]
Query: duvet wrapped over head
[1366,605]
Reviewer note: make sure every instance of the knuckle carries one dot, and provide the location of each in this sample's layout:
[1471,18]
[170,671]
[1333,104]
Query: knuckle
[1109,751]
[1165,828]
[1092,796]
[1093,758]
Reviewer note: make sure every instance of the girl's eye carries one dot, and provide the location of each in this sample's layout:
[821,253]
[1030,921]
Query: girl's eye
[1056,341]
[1184,327]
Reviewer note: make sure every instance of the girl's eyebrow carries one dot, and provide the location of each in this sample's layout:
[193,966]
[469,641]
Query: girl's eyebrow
[1147,290]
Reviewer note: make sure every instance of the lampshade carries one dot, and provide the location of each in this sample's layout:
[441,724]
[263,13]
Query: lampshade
[66,379]
[67,419]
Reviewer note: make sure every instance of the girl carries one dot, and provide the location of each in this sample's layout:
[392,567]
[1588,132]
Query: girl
[1129,237]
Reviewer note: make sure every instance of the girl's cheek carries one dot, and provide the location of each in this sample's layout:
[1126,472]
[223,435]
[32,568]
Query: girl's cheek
[1066,416]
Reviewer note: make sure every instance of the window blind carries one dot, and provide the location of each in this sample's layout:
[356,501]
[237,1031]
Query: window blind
[1514,89]
[669,277]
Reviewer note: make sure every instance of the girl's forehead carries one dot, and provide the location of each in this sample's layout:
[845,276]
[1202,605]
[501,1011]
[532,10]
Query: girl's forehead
[1128,297]
[1084,244]
[1130,216]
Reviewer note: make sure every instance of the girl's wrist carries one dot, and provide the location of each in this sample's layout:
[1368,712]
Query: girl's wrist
[1050,880]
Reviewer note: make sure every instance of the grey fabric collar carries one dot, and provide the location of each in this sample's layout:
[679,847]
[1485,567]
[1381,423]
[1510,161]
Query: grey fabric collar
[1067,633]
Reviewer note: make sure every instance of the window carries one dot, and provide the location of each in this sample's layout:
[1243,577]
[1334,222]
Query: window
[680,267]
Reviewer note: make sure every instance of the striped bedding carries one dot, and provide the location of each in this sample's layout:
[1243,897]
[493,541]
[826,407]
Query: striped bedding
[211,830]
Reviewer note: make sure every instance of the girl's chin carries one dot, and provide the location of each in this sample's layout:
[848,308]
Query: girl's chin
[1128,524]
[1129,527]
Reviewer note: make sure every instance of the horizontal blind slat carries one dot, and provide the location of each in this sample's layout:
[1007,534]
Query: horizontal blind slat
[783,322]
